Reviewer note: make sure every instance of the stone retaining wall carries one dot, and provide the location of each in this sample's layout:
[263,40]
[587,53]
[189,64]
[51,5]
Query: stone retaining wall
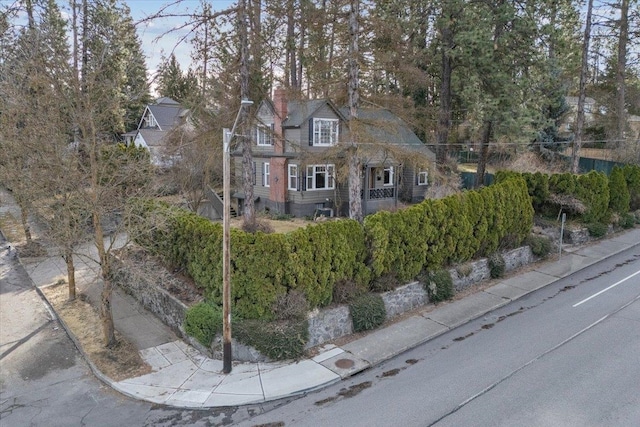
[324,325]
[165,306]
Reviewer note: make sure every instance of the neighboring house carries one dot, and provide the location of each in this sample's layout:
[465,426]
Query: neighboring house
[569,120]
[159,123]
[590,110]
[297,158]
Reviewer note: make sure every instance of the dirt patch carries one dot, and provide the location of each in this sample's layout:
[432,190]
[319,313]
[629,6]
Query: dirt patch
[118,363]
[354,389]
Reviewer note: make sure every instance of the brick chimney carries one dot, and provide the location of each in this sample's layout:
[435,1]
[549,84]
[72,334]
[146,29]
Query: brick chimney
[280,104]
[278,163]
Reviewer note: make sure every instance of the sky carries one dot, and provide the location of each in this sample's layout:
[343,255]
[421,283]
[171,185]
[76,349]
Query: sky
[155,36]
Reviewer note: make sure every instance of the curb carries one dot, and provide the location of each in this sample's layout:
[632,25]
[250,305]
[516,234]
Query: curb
[484,313]
[369,364]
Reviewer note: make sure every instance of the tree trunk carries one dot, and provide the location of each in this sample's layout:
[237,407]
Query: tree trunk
[291,77]
[85,52]
[484,153]
[71,273]
[444,119]
[621,72]
[106,315]
[30,19]
[249,211]
[24,218]
[355,169]
[577,143]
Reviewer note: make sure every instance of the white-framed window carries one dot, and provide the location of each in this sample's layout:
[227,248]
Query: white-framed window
[325,132]
[320,177]
[266,174]
[151,121]
[423,178]
[264,136]
[388,176]
[293,177]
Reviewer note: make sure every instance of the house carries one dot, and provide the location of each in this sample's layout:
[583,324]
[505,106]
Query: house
[159,123]
[299,162]
[569,120]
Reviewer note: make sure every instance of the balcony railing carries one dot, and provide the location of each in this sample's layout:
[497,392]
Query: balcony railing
[381,193]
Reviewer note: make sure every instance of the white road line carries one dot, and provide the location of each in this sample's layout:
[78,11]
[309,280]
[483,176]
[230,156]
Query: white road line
[606,289]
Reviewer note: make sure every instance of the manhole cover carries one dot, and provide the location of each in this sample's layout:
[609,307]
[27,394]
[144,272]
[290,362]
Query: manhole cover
[345,363]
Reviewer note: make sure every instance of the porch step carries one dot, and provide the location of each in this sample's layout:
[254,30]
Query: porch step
[232,212]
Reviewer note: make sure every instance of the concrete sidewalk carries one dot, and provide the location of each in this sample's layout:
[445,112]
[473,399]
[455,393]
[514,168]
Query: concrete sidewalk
[182,377]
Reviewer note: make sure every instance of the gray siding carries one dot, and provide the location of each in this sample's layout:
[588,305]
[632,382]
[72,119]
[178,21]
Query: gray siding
[410,190]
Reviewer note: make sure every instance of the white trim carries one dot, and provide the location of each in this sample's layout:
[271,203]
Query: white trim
[388,172]
[423,178]
[266,174]
[316,171]
[293,178]
[318,132]
[264,138]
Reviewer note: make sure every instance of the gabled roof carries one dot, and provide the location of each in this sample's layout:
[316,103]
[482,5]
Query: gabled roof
[300,111]
[153,137]
[167,116]
[166,101]
[381,125]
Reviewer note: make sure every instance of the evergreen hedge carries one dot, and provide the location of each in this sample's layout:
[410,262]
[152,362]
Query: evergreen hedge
[263,266]
[619,197]
[632,176]
[436,233]
[311,260]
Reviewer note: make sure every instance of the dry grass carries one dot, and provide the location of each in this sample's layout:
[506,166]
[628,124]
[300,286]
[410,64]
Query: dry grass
[278,226]
[532,163]
[119,363]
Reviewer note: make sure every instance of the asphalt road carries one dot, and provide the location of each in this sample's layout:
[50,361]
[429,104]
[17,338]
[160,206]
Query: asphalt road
[44,381]
[537,362]
[566,355]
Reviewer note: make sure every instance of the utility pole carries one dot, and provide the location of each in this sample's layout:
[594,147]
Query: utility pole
[227,137]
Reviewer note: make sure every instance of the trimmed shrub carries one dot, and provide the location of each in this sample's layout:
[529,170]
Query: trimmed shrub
[627,221]
[464,270]
[385,283]
[367,312]
[632,177]
[290,306]
[345,291]
[497,266]
[436,233]
[279,340]
[562,183]
[438,284]
[320,255]
[203,321]
[619,198]
[597,229]
[541,246]
[263,266]
[593,190]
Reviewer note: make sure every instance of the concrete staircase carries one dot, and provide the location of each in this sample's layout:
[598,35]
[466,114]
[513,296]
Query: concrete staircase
[217,201]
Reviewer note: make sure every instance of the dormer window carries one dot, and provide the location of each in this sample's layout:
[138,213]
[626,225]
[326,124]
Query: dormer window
[264,135]
[325,132]
[150,121]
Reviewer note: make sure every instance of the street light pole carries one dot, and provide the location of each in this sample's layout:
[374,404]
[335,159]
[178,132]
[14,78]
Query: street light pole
[227,137]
